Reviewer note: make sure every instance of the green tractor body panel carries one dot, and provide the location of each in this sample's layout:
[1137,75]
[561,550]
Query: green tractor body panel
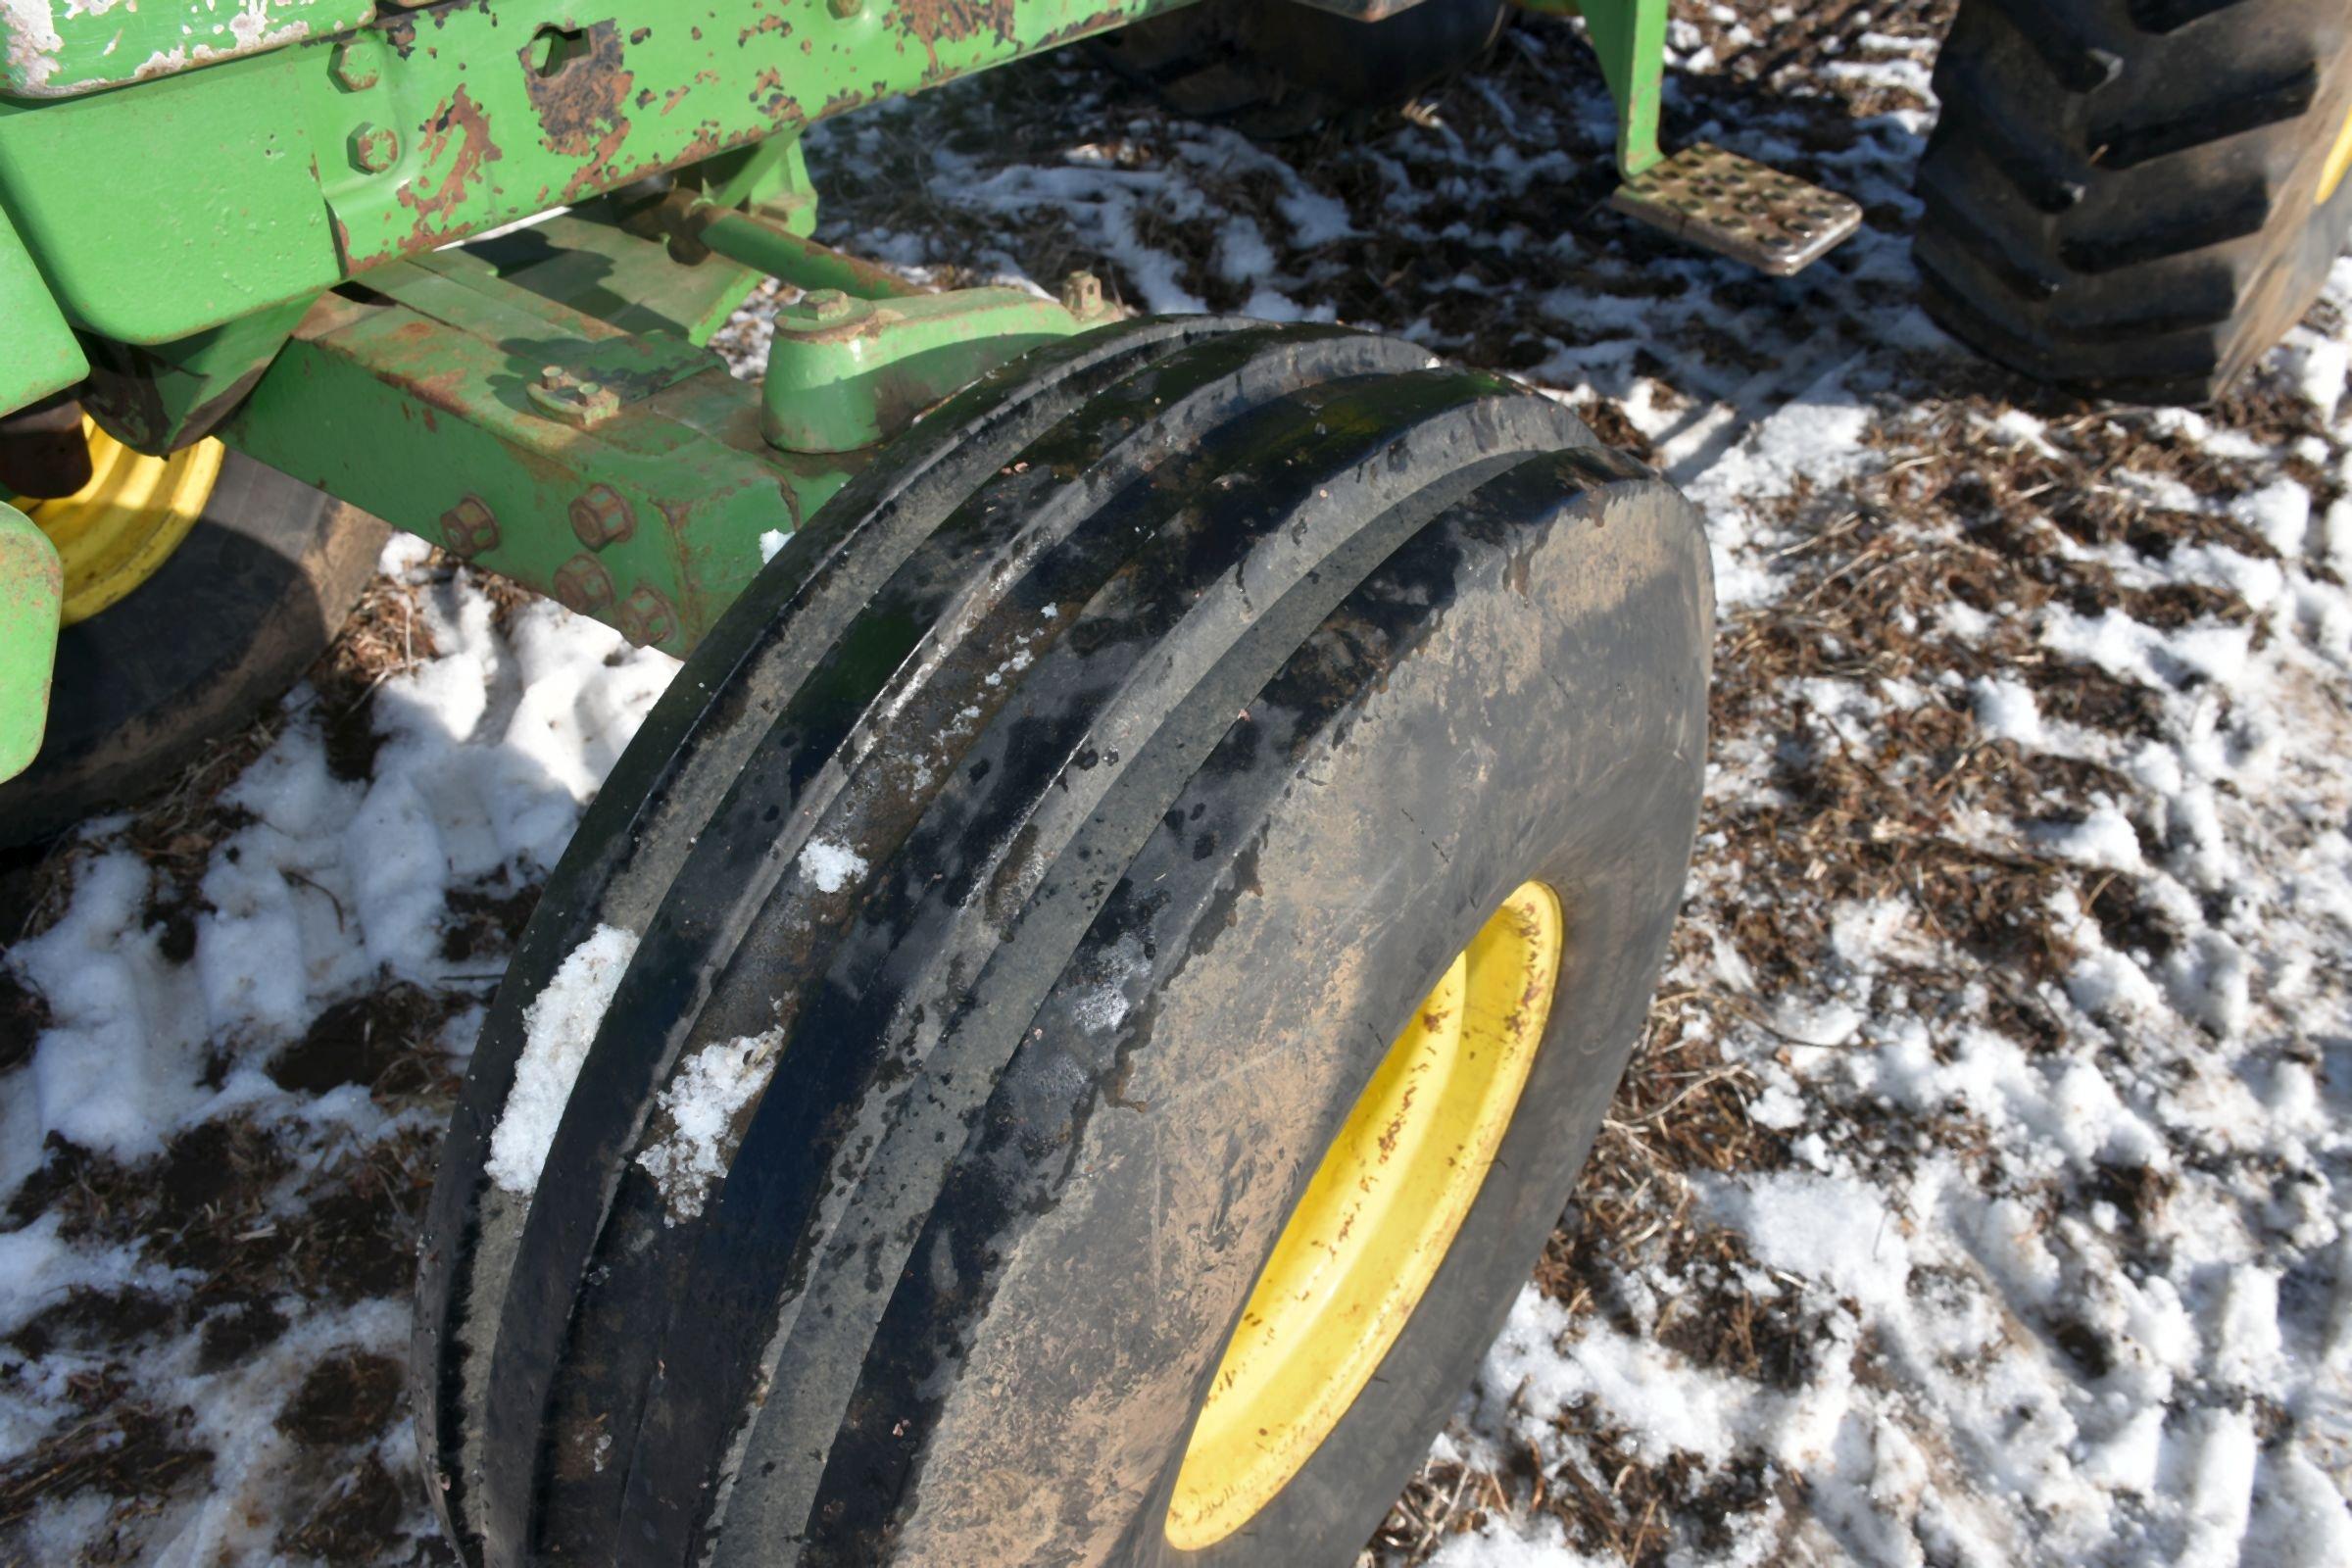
[273,177]
[39,355]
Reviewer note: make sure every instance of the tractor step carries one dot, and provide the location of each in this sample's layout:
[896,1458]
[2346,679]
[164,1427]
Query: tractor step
[1740,208]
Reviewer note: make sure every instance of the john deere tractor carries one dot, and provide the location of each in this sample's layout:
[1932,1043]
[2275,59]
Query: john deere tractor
[1061,1037]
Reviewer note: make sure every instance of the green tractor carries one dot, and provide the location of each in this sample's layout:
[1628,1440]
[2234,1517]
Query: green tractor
[1059,1041]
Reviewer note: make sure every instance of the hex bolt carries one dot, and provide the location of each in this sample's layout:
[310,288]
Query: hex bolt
[846,9]
[829,305]
[373,149]
[583,585]
[1082,295]
[468,528]
[645,616]
[561,394]
[353,68]
[602,517]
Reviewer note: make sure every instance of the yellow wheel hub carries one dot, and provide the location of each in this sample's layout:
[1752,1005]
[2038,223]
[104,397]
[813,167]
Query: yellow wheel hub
[114,532]
[2340,162]
[1376,1221]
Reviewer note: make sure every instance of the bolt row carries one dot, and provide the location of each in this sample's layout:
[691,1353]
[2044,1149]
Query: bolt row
[600,517]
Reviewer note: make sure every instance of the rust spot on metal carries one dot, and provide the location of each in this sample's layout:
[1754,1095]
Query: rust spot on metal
[1103,21]
[581,105]
[768,23]
[457,141]
[840,102]
[676,95]
[929,21]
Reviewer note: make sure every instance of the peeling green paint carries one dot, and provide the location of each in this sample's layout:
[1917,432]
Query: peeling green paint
[61,48]
[245,190]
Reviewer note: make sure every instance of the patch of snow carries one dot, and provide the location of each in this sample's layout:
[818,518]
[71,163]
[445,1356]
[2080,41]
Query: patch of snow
[701,1102]
[2006,710]
[559,1027]
[830,866]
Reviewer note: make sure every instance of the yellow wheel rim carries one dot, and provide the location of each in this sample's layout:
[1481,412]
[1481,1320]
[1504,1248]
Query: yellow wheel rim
[114,532]
[2340,162]
[1365,1241]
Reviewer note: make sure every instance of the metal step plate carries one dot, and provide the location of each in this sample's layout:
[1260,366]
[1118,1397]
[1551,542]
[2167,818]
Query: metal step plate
[1740,208]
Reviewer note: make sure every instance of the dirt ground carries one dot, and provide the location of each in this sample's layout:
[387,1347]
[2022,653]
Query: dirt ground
[261,1253]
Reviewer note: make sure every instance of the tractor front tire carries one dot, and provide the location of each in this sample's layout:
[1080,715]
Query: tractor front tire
[1206,773]
[2135,198]
[254,592]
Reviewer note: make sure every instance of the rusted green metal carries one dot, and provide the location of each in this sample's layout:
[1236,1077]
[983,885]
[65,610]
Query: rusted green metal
[247,184]
[625,472]
[419,407]
[32,589]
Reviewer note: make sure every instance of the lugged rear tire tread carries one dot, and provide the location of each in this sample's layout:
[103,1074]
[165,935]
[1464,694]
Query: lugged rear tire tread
[2065,201]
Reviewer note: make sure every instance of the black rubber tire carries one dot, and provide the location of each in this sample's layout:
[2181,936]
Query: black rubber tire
[254,592]
[2120,194]
[1153,622]
[1274,68]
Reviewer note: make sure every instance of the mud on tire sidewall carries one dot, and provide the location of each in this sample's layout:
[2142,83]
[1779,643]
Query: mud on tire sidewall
[1098,1343]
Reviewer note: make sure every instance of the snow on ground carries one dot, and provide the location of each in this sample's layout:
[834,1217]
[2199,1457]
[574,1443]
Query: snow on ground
[1974,1198]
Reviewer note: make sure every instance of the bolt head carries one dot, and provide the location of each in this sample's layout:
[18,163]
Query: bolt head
[645,616]
[846,9]
[829,305]
[373,149]
[583,586]
[1082,294]
[600,516]
[468,528]
[353,68]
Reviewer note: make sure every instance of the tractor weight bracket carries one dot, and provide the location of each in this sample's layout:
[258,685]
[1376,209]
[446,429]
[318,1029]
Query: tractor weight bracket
[489,398]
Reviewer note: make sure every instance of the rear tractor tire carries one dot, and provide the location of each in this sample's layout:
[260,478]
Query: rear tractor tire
[1064,1034]
[2137,198]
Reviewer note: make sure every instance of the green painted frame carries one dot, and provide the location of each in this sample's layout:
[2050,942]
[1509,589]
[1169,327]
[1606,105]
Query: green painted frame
[268,180]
